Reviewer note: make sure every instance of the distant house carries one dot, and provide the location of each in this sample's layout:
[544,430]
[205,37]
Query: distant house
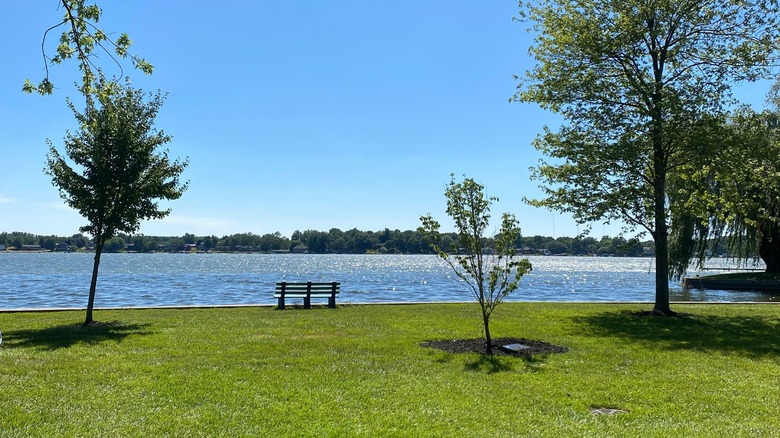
[62,247]
[300,249]
[2,247]
[30,248]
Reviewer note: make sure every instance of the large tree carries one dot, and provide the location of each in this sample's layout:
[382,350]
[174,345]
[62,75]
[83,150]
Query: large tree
[120,172]
[490,274]
[82,38]
[636,82]
[733,197]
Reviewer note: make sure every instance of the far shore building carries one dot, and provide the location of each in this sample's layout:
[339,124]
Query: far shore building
[300,249]
[62,247]
[30,248]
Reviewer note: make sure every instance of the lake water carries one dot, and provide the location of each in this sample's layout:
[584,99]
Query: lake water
[46,280]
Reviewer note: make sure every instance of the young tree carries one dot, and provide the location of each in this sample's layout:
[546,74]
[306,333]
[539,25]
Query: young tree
[634,81]
[81,38]
[120,173]
[489,275]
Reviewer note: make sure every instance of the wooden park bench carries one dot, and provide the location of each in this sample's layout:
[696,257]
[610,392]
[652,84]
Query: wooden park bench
[307,291]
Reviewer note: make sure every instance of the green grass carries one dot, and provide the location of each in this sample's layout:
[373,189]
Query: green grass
[359,371]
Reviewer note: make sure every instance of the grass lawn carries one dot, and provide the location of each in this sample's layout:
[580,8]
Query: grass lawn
[360,371]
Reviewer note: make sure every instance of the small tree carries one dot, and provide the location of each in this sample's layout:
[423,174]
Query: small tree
[120,172]
[489,273]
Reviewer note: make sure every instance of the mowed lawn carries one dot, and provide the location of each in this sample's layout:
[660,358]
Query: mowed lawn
[360,371]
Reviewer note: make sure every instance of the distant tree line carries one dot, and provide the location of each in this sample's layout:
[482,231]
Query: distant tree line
[334,241]
[16,240]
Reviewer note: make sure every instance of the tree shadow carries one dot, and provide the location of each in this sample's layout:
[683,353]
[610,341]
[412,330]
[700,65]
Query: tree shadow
[533,355]
[489,364]
[502,363]
[750,336]
[65,336]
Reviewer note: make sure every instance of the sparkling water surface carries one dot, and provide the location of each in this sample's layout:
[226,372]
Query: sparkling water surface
[46,280]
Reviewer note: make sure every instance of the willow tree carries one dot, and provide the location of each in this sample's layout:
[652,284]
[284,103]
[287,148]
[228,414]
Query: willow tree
[750,185]
[81,38]
[490,274]
[113,171]
[633,80]
[733,198]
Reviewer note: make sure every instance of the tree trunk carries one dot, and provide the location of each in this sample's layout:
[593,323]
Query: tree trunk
[486,322]
[661,237]
[661,234]
[93,284]
[769,249]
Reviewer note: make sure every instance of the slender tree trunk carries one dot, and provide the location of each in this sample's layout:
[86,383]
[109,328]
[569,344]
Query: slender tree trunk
[482,295]
[93,284]
[488,339]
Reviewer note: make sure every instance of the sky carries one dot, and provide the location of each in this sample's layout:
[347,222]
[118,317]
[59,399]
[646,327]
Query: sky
[300,114]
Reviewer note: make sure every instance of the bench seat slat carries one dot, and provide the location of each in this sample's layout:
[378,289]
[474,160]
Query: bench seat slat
[304,285]
[304,288]
[302,295]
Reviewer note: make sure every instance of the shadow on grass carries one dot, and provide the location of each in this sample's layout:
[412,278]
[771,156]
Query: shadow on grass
[751,336]
[64,336]
[489,364]
[496,364]
[533,354]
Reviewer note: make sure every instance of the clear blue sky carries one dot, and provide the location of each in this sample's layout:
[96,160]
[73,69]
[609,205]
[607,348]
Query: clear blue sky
[298,114]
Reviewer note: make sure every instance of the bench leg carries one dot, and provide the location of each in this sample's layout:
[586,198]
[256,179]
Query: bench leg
[307,302]
[332,302]
[280,303]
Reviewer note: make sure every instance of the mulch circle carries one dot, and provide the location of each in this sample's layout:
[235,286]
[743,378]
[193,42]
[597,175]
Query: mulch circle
[478,346]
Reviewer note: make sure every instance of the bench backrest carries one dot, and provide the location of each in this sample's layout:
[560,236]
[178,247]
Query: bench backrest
[310,287]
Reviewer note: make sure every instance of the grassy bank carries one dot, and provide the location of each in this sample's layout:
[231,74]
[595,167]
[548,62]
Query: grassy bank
[359,371]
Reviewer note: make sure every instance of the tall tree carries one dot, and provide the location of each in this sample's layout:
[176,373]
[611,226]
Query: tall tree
[734,196]
[120,172]
[635,81]
[83,39]
[490,275]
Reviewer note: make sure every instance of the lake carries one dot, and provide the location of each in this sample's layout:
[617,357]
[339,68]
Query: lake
[47,280]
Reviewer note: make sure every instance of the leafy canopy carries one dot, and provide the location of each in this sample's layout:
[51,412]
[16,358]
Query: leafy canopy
[733,196]
[84,40]
[632,79]
[119,173]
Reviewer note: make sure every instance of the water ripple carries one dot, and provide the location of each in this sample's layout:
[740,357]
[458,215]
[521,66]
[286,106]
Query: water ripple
[40,280]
